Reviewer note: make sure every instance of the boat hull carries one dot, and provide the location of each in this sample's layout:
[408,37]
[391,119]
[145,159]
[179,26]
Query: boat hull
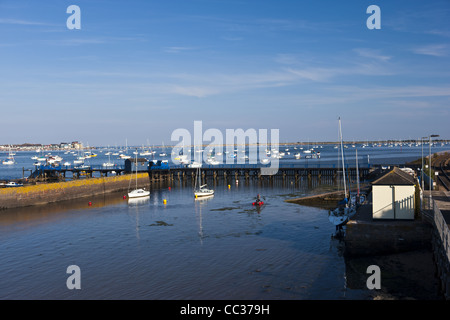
[140,193]
[203,194]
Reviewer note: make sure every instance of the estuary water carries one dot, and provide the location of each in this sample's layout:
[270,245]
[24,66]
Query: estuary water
[181,248]
[217,248]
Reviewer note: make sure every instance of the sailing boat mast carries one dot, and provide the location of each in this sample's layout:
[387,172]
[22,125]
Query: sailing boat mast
[342,155]
[136,170]
[357,177]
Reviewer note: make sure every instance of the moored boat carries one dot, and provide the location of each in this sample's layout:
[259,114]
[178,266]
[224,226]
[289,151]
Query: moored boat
[138,192]
[341,215]
[201,190]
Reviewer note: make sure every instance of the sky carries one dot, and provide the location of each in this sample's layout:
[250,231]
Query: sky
[136,71]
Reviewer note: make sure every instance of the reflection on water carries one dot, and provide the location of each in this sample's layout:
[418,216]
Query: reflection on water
[216,248]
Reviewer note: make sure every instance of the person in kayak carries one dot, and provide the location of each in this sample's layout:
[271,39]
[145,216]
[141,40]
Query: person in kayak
[258,201]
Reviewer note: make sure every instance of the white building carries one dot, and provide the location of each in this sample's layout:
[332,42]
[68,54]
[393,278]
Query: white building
[393,196]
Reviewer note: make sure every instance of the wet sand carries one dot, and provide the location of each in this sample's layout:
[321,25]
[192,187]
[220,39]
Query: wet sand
[404,276]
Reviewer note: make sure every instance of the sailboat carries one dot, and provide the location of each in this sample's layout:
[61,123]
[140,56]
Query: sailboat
[138,192]
[201,190]
[163,152]
[125,155]
[109,163]
[10,160]
[343,212]
[359,198]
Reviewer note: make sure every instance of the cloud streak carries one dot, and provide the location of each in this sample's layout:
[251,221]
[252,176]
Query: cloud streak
[435,50]
[23,22]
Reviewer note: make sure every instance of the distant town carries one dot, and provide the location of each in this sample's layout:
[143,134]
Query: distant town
[76,145]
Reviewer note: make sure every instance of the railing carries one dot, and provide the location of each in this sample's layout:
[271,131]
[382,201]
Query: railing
[76,167]
[442,228]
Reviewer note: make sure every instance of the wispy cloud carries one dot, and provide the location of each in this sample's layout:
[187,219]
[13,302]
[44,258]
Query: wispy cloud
[23,22]
[436,50]
[324,74]
[177,49]
[371,54]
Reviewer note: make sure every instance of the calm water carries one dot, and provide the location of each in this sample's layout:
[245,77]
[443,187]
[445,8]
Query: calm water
[219,248]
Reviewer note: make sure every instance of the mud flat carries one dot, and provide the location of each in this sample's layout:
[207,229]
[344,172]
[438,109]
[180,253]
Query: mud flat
[324,200]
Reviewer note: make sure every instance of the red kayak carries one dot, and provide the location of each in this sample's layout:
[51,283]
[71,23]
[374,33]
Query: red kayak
[258,204]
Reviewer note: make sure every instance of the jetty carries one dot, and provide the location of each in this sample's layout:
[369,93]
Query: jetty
[294,172]
[54,183]
[163,171]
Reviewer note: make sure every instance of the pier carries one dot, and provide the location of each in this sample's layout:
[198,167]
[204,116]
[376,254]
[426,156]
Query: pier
[295,173]
[61,173]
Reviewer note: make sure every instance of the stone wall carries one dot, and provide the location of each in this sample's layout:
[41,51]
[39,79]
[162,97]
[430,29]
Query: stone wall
[386,237]
[441,250]
[52,192]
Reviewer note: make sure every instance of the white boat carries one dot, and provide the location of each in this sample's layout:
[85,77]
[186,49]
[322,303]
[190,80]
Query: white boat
[138,192]
[344,212]
[8,162]
[54,159]
[212,161]
[109,163]
[201,190]
[13,184]
[195,165]
[163,152]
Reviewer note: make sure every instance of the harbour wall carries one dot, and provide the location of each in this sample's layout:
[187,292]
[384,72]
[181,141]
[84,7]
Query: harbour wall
[441,250]
[52,192]
[386,237]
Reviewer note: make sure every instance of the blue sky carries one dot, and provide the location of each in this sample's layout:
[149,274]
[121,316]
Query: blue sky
[138,70]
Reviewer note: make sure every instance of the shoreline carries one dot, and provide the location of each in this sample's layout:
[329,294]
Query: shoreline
[31,195]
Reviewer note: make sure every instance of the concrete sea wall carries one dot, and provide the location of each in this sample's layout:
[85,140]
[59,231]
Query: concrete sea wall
[386,237]
[441,250]
[59,191]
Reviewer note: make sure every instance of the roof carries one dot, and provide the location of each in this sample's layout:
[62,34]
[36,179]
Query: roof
[395,177]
